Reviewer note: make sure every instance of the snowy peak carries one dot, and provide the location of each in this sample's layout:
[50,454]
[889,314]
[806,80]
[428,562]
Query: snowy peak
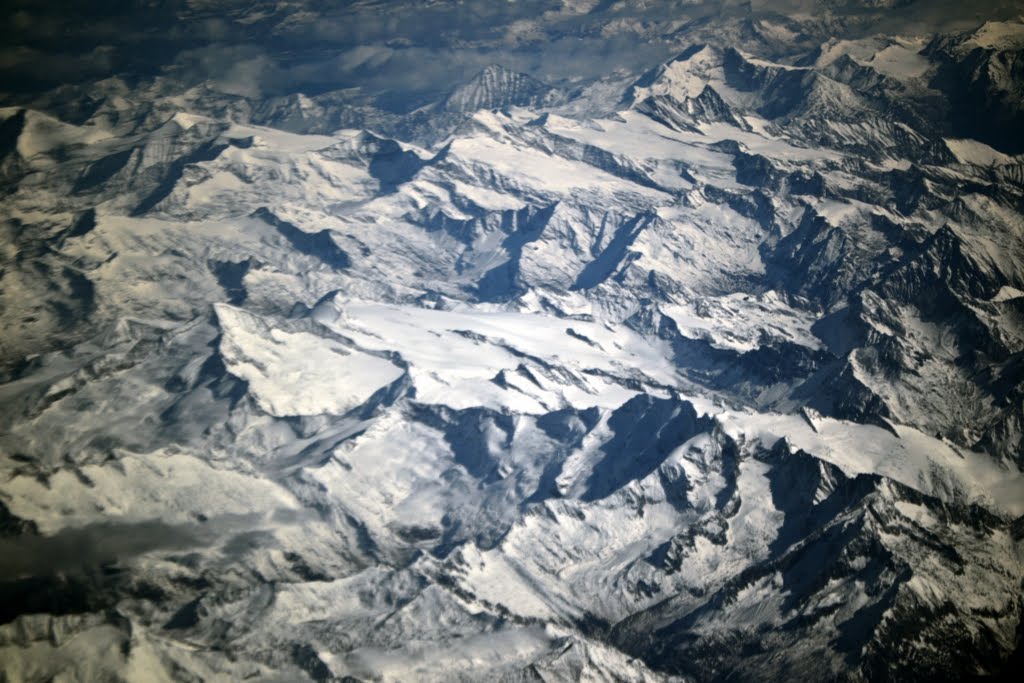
[683,77]
[680,93]
[387,160]
[833,98]
[994,36]
[496,87]
[748,73]
[707,107]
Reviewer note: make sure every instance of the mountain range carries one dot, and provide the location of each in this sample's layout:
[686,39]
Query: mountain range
[710,370]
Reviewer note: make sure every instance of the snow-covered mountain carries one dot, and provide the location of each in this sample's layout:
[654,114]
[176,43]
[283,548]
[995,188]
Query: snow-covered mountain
[711,371]
[496,87]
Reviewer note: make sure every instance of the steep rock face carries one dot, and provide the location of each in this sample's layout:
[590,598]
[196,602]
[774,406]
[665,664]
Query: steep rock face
[982,71]
[496,87]
[818,261]
[707,107]
[882,529]
[925,323]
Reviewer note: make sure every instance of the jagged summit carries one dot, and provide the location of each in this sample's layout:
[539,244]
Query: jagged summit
[497,87]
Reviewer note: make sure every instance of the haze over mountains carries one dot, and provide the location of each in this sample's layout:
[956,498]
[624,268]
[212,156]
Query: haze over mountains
[530,341]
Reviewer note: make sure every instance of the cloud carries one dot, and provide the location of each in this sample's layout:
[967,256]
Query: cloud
[27,66]
[84,549]
[91,546]
[233,69]
[917,16]
[420,48]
